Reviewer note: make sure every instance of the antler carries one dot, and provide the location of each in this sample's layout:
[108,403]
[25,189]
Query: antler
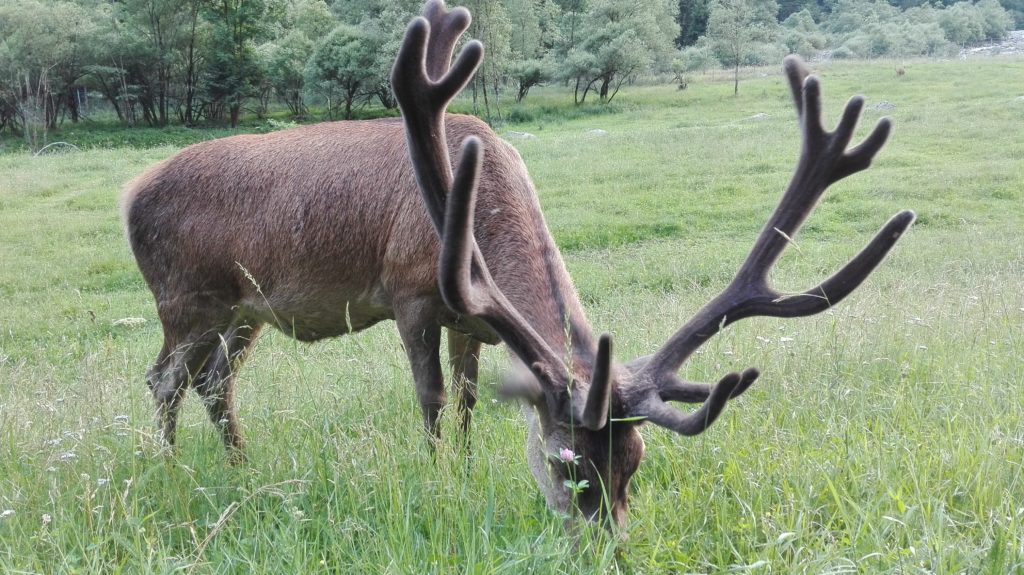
[424,86]
[824,160]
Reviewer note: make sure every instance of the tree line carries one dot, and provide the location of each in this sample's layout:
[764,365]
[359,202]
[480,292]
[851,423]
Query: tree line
[156,62]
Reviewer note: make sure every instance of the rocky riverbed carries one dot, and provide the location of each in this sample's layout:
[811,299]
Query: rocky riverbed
[1012,45]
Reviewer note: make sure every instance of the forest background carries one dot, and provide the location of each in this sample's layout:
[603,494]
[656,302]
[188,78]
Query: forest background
[159,63]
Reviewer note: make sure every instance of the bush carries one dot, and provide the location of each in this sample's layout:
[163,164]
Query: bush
[801,34]
[963,24]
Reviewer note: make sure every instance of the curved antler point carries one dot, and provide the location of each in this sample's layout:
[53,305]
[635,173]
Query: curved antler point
[472,47]
[793,64]
[473,142]
[902,220]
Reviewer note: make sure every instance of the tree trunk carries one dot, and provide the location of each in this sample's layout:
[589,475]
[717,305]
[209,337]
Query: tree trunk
[736,79]
[191,79]
[74,103]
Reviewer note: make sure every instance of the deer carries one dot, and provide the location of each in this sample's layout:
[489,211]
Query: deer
[327,229]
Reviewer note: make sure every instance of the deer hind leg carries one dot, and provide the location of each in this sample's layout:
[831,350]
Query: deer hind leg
[421,334]
[464,359]
[189,338]
[215,384]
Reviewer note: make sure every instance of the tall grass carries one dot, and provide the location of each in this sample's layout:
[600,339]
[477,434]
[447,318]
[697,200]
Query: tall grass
[886,436]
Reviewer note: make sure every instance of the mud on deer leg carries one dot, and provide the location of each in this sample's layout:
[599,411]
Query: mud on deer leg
[216,385]
[170,377]
[464,359]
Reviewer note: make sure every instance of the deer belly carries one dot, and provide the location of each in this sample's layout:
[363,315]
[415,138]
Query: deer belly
[311,319]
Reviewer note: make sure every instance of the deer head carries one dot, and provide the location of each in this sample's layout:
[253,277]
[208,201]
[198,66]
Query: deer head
[583,409]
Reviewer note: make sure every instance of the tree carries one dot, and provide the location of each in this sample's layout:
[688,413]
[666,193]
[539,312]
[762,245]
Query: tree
[306,21]
[693,21]
[1016,10]
[43,56]
[801,34]
[233,70]
[997,20]
[531,26]
[491,25]
[735,25]
[342,68]
[619,39]
[285,67]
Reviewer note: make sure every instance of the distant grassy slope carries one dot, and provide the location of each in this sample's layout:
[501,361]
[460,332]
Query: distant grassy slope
[886,436]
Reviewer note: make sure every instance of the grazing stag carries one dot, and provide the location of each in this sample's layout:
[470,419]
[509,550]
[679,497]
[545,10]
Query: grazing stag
[321,230]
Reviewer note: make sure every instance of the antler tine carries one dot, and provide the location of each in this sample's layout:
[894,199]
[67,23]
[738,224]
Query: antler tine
[672,388]
[445,29]
[468,288]
[424,85]
[660,413]
[824,160]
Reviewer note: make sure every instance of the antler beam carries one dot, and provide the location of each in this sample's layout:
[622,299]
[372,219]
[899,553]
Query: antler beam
[824,160]
[424,86]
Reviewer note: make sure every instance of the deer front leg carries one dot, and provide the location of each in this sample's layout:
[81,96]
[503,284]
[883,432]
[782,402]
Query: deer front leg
[464,359]
[421,334]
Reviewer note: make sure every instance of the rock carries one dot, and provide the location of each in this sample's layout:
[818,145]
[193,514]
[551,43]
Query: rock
[597,132]
[512,135]
[882,106]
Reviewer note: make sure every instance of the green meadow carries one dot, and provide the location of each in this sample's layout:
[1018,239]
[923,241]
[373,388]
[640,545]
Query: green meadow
[884,436]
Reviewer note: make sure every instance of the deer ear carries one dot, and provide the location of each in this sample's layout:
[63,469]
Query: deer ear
[521,383]
[541,372]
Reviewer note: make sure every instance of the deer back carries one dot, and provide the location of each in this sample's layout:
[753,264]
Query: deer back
[315,222]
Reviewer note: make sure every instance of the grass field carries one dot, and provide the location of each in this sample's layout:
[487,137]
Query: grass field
[886,436]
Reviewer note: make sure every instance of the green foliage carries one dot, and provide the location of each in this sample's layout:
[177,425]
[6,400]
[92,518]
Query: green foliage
[492,26]
[284,58]
[870,29]
[965,23]
[156,62]
[693,58]
[735,28]
[342,67]
[233,71]
[615,41]
[1015,8]
[801,34]
[693,21]
[529,73]
[44,48]
[285,63]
